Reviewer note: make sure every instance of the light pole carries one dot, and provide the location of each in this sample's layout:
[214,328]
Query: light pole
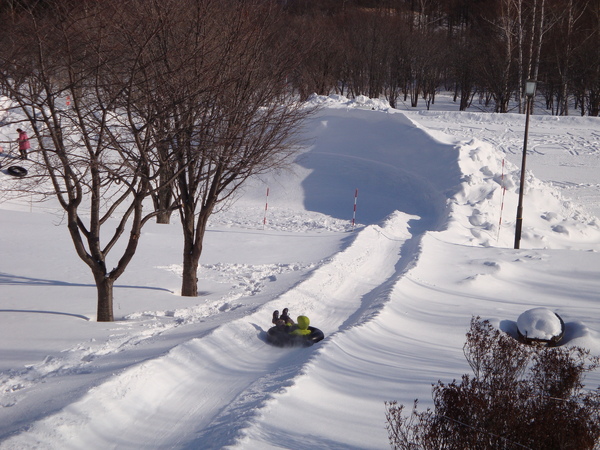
[529,93]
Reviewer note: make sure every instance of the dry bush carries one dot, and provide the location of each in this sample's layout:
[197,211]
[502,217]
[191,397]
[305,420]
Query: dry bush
[518,397]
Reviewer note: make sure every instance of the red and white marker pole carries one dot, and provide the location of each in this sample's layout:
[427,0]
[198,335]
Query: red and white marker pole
[502,203]
[266,207]
[354,213]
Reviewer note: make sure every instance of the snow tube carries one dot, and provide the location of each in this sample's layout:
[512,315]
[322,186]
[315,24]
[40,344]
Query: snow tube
[544,318]
[282,338]
[17,171]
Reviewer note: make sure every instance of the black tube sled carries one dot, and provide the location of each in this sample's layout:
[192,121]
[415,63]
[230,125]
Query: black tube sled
[17,171]
[282,338]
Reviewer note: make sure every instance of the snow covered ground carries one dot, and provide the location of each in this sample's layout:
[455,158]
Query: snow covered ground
[433,247]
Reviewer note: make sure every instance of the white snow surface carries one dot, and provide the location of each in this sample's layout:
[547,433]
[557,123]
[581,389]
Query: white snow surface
[433,247]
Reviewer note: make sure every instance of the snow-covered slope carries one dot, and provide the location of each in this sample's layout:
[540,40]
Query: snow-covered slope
[435,208]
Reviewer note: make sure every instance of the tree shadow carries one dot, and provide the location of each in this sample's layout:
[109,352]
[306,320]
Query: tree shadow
[389,161]
[31,311]
[17,280]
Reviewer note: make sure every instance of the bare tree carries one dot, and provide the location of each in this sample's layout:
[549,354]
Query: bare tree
[398,67]
[222,107]
[568,36]
[95,152]
[587,62]
[463,59]
[320,72]
[247,126]
[498,63]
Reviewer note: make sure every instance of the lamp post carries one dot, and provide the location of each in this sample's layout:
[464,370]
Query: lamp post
[529,93]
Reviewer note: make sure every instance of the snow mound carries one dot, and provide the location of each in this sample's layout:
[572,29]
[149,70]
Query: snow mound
[482,212]
[539,323]
[339,101]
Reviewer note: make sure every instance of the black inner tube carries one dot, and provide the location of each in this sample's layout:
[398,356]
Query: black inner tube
[281,338]
[17,171]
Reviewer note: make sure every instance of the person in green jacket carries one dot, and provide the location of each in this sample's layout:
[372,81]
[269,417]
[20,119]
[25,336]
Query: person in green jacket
[302,322]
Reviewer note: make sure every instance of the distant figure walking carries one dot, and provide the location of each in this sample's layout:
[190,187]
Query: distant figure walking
[23,141]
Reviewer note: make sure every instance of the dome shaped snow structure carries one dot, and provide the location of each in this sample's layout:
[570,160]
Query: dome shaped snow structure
[540,325]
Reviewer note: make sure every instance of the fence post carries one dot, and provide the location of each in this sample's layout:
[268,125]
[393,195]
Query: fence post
[266,207]
[354,213]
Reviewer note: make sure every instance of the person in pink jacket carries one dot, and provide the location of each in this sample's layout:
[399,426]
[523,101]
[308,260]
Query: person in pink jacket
[23,141]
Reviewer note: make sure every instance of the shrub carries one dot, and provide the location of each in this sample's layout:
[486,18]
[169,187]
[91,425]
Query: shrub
[518,397]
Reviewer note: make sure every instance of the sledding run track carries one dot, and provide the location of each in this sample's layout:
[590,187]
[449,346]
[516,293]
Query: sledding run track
[202,393]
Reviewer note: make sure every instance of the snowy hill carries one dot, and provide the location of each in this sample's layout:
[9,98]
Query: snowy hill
[437,196]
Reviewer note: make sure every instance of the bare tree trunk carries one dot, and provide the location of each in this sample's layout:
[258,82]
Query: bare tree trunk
[192,251]
[193,237]
[500,75]
[414,89]
[540,36]
[163,217]
[532,34]
[104,287]
[520,61]
[564,73]
[189,282]
[163,200]
[502,103]
[565,52]
[594,103]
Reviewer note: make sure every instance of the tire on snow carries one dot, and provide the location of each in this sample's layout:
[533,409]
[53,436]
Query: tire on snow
[281,338]
[17,171]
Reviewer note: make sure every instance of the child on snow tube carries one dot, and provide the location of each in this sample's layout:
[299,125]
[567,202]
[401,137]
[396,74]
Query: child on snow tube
[287,334]
[302,330]
[283,322]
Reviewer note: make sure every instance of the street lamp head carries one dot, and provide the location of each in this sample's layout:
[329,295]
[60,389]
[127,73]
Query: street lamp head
[530,88]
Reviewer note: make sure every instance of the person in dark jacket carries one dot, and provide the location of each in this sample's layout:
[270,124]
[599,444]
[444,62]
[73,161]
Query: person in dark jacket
[280,324]
[283,322]
[286,318]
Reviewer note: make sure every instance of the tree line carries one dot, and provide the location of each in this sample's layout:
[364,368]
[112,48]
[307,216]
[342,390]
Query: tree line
[408,50]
